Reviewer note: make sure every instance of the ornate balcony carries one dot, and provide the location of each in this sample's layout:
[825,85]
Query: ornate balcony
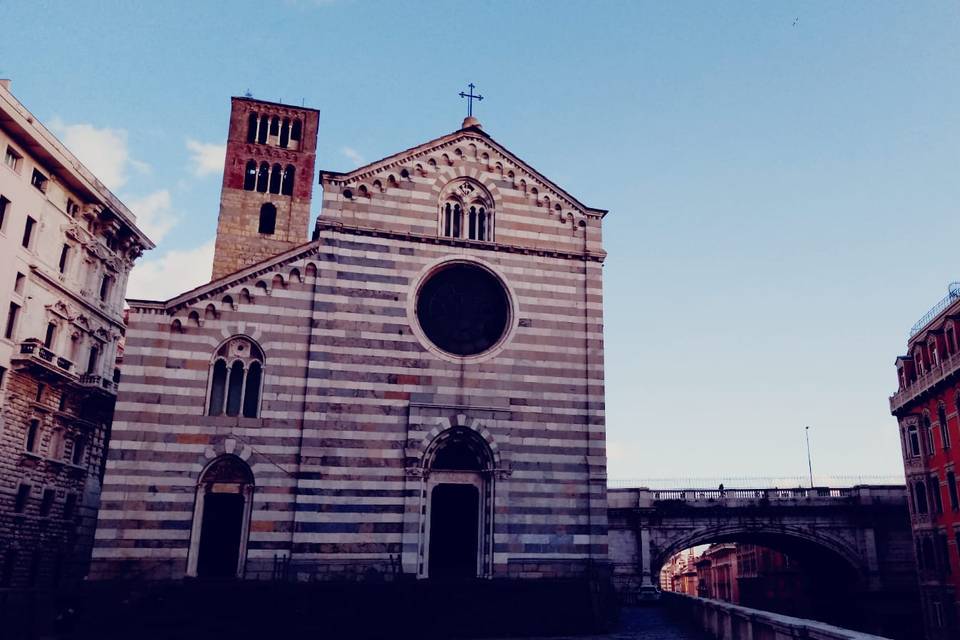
[43,362]
[97,383]
[947,368]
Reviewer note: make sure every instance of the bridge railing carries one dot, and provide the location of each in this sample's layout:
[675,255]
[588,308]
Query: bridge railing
[750,494]
[645,497]
[724,620]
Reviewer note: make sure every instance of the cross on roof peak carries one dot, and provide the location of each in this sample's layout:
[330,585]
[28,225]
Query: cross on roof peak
[470,98]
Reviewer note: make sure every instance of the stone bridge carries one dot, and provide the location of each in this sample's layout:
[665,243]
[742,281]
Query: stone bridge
[856,542]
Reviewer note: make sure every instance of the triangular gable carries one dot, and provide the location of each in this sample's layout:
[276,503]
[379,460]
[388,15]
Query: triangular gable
[474,135]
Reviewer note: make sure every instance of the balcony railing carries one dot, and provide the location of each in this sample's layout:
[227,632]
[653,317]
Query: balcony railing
[34,354]
[97,382]
[943,369]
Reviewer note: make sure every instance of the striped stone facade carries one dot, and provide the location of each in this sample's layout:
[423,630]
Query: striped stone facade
[357,402]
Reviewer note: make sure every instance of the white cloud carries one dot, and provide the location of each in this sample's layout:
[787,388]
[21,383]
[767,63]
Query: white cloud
[172,273]
[206,158]
[353,155]
[154,213]
[103,151]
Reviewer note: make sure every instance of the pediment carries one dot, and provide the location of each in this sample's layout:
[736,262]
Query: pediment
[467,146]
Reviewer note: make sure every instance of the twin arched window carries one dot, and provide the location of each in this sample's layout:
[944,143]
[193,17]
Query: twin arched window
[236,379]
[264,178]
[285,132]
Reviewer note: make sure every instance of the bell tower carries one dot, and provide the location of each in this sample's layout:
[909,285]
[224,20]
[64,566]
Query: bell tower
[267,182]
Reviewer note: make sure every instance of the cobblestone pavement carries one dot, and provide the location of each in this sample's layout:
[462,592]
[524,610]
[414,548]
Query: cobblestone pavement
[644,623]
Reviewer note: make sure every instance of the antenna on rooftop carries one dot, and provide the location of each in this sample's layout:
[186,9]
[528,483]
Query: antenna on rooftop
[247,94]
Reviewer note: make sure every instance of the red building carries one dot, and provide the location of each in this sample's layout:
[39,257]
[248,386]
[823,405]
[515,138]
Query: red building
[926,407]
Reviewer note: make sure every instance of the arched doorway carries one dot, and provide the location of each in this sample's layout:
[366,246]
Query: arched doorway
[221,519]
[457,540]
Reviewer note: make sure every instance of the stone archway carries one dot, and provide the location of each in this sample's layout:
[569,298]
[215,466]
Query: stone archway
[221,519]
[456,539]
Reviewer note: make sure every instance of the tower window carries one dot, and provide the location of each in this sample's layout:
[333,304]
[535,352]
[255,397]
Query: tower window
[285,133]
[295,129]
[288,177]
[252,120]
[250,176]
[275,176]
[262,130]
[275,126]
[263,177]
[268,218]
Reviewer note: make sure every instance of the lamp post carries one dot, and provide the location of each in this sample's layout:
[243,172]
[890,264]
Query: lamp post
[809,463]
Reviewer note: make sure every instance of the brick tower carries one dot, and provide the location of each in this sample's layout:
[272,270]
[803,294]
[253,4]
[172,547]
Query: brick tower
[267,182]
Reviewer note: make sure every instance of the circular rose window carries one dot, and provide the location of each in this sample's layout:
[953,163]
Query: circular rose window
[463,309]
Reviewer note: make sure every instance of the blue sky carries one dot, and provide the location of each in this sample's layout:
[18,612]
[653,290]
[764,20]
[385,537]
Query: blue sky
[782,177]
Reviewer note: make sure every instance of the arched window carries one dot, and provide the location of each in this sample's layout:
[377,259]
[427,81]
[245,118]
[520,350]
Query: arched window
[252,126]
[218,387]
[251,396]
[262,129]
[288,176]
[263,177]
[473,223]
[236,379]
[250,176]
[285,133]
[275,179]
[275,126]
[295,130]
[457,216]
[268,218]
[235,388]
[482,224]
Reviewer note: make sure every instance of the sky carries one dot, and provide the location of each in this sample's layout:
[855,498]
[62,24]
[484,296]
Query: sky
[782,177]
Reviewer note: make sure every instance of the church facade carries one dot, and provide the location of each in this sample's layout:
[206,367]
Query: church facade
[417,390]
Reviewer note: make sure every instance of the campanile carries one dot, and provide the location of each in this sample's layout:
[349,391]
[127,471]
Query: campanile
[267,182]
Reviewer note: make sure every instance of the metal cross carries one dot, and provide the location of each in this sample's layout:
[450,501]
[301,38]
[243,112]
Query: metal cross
[470,98]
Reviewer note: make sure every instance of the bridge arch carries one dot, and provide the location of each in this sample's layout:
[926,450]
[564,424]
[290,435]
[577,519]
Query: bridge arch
[798,540]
